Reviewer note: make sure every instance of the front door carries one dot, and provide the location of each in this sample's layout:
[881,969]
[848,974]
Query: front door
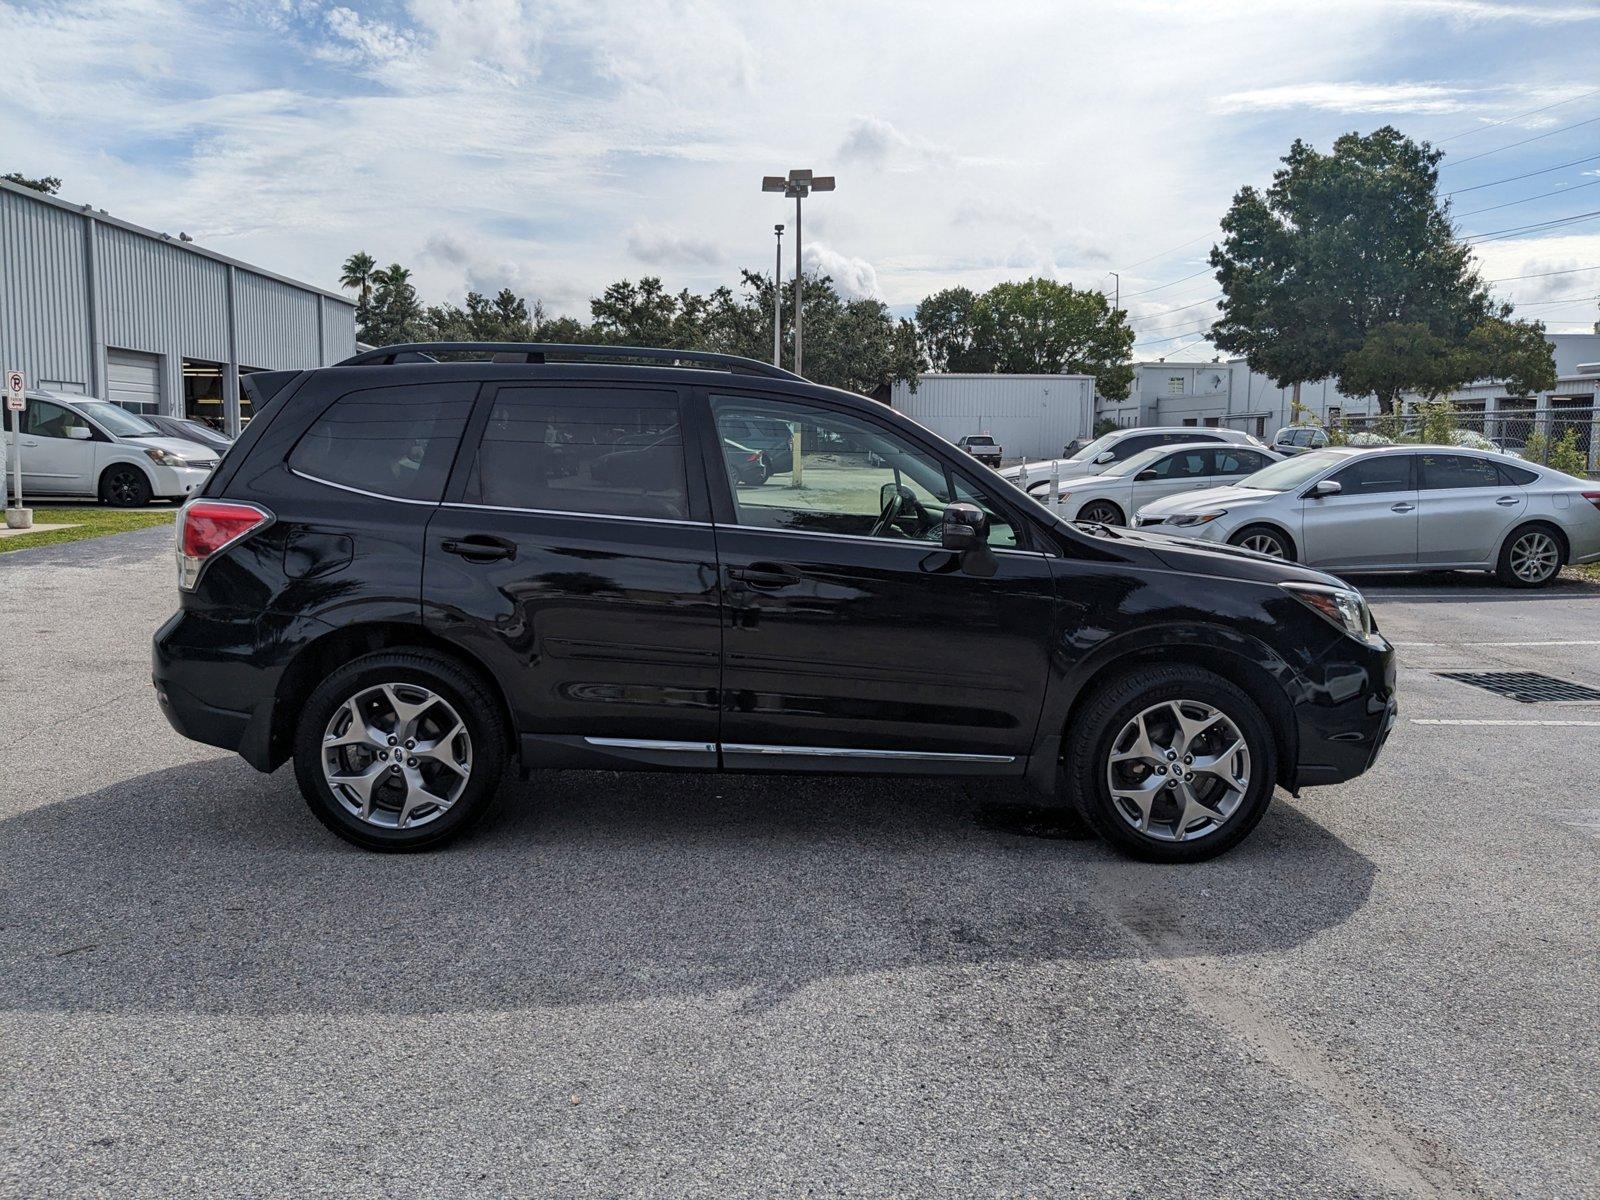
[54,461]
[1466,508]
[1371,521]
[1180,471]
[574,556]
[851,639]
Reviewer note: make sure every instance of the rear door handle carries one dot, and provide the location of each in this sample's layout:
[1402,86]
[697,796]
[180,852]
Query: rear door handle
[1401,508]
[1506,501]
[479,547]
[765,576]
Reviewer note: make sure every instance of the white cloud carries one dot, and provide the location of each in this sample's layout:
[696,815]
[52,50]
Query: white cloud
[1348,98]
[658,245]
[854,277]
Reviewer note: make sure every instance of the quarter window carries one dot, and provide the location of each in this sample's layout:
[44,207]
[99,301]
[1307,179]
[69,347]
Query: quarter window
[1457,471]
[600,451]
[1378,474]
[393,441]
[841,474]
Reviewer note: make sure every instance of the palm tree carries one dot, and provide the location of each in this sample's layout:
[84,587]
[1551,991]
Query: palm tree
[394,283]
[359,271]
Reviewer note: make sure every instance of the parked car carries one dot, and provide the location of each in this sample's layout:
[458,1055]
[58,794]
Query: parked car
[1072,447]
[1399,508]
[1297,439]
[382,584]
[1112,498]
[1119,446]
[982,447]
[190,430]
[76,447]
[773,439]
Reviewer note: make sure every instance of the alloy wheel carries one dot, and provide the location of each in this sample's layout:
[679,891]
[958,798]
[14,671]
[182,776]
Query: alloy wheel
[123,487]
[396,755]
[1101,514]
[1178,771]
[1535,557]
[1265,543]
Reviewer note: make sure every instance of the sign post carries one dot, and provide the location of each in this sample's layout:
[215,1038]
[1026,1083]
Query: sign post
[17,517]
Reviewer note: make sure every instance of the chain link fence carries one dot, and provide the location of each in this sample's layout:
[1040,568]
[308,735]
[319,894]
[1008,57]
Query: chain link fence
[1564,437]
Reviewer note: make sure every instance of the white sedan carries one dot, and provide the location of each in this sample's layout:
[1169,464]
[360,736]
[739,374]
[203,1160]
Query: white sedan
[1399,508]
[1112,498]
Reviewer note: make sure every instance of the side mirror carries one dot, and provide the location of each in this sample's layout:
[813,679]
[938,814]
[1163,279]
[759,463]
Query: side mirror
[79,433]
[1326,487]
[965,527]
[1104,456]
[1148,473]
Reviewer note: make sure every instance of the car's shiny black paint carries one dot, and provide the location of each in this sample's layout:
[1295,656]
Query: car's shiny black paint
[633,629]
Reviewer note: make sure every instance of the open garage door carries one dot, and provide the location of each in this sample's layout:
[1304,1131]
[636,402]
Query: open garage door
[133,380]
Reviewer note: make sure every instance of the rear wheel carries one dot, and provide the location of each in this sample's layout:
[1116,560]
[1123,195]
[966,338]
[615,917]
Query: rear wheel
[1264,539]
[1101,512]
[124,486]
[1530,558]
[1171,764]
[399,750]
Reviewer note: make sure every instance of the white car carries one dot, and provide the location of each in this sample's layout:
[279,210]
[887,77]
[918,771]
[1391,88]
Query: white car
[1118,446]
[1113,498]
[74,447]
[1399,508]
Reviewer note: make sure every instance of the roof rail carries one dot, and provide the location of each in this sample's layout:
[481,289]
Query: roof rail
[539,352]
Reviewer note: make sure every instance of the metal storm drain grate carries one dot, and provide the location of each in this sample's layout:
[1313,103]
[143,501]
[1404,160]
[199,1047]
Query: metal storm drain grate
[1527,686]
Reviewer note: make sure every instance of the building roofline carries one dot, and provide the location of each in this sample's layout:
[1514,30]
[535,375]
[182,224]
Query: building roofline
[992,375]
[105,218]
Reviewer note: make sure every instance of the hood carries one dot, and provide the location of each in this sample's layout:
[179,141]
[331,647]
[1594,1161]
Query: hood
[1223,561]
[193,451]
[1184,502]
[1084,482]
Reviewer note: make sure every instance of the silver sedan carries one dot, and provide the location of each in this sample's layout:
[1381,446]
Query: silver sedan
[1399,508]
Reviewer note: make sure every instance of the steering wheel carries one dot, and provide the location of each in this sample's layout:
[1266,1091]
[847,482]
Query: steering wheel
[890,514]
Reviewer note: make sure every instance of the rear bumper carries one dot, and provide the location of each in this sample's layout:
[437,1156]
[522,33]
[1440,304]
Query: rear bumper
[210,692]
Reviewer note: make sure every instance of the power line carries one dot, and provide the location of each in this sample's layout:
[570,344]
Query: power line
[1563,300]
[1181,349]
[1478,187]
[1495,235]
[1164,286]
[1513,117]
[1175,337]
[1530,199]
[1179,308]
[1541,275]
[1513,145]
[1204,237]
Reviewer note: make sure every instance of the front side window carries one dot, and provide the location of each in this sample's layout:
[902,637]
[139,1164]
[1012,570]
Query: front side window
[391,441]
[850,476]
[1128,447]
[43,419]
[599,451]
[1457,471]
[1185,464]
[1376,475]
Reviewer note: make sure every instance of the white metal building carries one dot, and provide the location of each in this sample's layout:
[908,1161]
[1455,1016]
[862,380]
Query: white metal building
[93,305]
[1030,416]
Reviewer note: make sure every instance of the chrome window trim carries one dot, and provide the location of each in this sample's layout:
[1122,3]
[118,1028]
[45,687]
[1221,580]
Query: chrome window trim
[562,512]
[649,744]
[839,752]
[345,487]
[874,541]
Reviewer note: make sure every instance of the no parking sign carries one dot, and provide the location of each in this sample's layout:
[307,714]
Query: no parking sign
[15,386]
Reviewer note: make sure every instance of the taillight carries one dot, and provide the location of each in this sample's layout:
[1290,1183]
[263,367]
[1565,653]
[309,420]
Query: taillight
[207,527]
[1593,498]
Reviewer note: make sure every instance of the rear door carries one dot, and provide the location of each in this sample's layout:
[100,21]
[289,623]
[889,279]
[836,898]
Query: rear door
[574,555]
[1229,464]
[1465,508]
[1371,521]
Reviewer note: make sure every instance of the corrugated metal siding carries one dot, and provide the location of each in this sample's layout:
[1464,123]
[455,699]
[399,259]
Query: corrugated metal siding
[160,298]
[44,300]
[277,323]
[339,329]
[1029,415]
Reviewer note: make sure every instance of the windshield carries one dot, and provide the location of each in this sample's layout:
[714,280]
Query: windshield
[1291,472]
[118,420]
[1093,448]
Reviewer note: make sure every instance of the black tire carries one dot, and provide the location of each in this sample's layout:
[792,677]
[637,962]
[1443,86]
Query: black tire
[1284,543]
[1111,513]
[1515,553]
[123,485]
[1093,735]
[461,689]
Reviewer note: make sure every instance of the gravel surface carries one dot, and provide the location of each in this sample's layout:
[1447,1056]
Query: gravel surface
[671,985]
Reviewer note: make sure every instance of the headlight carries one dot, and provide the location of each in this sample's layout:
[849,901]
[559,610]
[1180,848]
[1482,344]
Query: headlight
[1204,518]
[167,458]
[1345,607]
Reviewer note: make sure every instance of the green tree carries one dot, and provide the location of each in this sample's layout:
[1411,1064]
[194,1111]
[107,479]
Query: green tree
[506,318]
[1343,250]
[48,184]
[1516,353]
[646,314]
[357,274]
[394,314]
[945,331]
[1565,455]
[1039,326]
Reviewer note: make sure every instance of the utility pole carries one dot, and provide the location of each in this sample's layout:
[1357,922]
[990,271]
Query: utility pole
[1117,303]
[777,300]
[798,184]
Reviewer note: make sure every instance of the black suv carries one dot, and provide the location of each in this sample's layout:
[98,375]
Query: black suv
[410,572]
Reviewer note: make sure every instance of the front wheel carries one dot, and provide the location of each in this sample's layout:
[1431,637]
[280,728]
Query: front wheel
[1530,558]
[1101,512]
[1171,764]
[125,486]
[1264,539]
[399,750]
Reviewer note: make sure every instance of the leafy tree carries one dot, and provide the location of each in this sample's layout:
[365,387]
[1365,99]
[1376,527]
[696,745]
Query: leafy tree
[1515,352]
[504,319]
[358,273]
[393,314]
[646,314]
[945,331]
[1039,326]
[48,184]
[1348,266]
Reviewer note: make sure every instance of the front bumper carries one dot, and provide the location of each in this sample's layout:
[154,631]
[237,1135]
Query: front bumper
[1346,716]
[177,483]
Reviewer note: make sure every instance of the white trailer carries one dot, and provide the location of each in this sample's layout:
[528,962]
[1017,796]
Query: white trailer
[1031,416]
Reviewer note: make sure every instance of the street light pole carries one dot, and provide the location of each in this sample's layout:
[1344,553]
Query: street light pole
[798,184]
[777,300]
[1117,303]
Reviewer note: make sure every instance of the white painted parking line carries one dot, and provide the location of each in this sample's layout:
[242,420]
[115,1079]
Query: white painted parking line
[1469,645]
[1471,721]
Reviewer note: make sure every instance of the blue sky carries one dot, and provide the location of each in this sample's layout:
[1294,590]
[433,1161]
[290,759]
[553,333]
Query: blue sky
[555,145]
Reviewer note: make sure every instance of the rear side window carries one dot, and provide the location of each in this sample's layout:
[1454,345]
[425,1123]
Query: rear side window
[1458,471]
[394,441]
[1238,462]
[597,451]
[1376,475]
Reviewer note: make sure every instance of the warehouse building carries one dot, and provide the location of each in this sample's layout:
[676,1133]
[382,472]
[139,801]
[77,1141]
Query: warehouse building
[93,305]
[1031,416]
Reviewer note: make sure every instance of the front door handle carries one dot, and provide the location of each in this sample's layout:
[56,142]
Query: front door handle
[1506,501]
[479,547]
[1401,507]
[764,576]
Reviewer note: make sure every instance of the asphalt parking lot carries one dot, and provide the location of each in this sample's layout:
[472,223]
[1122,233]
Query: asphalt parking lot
[669,985]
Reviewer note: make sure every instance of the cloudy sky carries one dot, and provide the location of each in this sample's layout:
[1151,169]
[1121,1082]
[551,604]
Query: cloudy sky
[555,145]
